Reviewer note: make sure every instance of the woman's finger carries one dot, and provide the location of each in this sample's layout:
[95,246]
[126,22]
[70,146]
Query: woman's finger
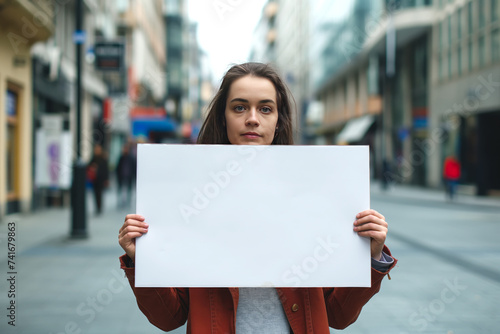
[134,216]
[127,238]
[370,227]
[132,229]
[374,234]
[368,219]
[370,212]
[133,222]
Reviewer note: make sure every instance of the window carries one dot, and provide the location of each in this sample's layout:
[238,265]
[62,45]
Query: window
[482,18]
[172,7]
[449,64]
[12,126]
[440,66]
[459,24]
[441,36]
[470,52]
[494,10]
[11,107]
[449,31]
[470,18]
[459,61]
[495,45]
[482,51]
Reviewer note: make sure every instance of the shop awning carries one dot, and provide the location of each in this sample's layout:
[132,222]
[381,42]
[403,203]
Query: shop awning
[355,129]
[142,126]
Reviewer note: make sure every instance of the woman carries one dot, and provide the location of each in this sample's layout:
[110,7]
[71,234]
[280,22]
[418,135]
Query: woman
[252,108]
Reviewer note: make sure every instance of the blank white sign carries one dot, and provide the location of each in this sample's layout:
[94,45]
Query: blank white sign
[252,216]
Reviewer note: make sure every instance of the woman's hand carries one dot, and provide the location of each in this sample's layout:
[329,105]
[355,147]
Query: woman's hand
[133,227]
[370,223]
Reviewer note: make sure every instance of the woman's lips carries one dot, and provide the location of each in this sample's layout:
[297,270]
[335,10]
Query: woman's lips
[251,135]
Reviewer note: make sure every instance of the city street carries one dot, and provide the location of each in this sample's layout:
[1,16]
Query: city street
[447,279]
[89,90]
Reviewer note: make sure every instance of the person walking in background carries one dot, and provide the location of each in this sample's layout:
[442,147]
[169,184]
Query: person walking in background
[451,174]
[125,175]
[98,175]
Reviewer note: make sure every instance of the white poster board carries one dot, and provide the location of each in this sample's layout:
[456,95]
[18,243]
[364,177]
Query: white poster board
[252,216]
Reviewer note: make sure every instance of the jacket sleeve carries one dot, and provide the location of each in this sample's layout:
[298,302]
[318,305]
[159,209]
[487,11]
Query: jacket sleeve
[166,308]
[344,305]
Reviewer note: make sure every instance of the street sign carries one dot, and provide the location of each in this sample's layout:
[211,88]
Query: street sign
[109,56]
[79,36]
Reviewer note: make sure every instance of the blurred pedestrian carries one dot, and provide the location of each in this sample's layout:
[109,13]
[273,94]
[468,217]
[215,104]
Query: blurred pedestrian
[98,175]
[252,107]
[125,175]
[386,174]
[451,174]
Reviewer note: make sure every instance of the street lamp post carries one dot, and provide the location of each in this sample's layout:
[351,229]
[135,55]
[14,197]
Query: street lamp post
[78,192]
[390,71]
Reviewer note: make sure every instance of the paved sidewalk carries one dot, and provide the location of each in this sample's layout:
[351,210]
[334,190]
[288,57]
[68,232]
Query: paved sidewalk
[432,195]
[65,285]
[75,286]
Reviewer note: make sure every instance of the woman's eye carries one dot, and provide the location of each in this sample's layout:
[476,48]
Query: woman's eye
[266,110]
[239,108]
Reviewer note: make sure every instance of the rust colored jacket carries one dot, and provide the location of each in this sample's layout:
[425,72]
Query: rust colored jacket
[213,310]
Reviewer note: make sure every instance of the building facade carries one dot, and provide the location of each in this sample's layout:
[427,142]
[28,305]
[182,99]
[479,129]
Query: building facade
[22,24]
[37,90]
[465,62]
[141,24]
[292,54]
[54,101]
[264,37]
[282,39]
[435,95]
[176,23]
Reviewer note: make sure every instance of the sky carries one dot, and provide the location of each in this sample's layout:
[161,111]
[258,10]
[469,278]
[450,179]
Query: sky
[225,29]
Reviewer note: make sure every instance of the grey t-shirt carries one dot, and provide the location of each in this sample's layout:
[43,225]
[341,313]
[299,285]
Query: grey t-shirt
[260,311]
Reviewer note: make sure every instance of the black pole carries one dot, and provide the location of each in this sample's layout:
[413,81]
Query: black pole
[78,192]
[385,113]
[390,71]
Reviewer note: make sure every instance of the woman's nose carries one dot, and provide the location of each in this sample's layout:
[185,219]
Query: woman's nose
[252,117]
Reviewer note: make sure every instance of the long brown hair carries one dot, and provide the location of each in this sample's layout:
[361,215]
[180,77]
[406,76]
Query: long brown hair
[213,130]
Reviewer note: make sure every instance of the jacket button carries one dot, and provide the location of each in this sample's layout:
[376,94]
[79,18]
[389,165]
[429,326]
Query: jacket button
[295,307]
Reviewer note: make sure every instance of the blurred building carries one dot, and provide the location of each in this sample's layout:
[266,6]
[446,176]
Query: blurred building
[464,97]
[292,53]
[436,95]
[282,39]
[192,113]
[188,71]
[347,78]
[264,38]
[176,36]
[124,81]
[22,24]
[54,101]
[142,25]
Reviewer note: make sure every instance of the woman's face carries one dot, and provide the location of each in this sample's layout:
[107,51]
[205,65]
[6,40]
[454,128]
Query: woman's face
[251,111]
